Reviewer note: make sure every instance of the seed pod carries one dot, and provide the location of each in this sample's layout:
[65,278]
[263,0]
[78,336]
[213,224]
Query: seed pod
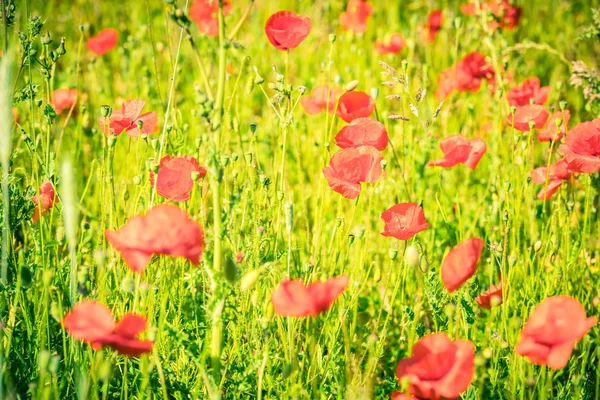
[250,279]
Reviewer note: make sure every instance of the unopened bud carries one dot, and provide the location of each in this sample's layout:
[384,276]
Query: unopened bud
[249,280]
[562,105]
[412,256]
[105,111]
[350,86]
[558,122]
[332,37]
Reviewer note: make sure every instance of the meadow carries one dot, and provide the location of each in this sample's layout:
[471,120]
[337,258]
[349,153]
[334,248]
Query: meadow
[324,199]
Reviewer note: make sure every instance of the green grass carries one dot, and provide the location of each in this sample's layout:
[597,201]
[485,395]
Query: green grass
[352,350]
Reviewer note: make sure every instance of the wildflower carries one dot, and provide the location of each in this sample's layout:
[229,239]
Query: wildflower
[525,114]
[93,323]
[434,24]
[321,98]
[205,14]
[506,16]
[491,297]
[351,166]
[461,263]
[128,119]
[354,105]
[286,30]
[103,42]
[555,175]
[174,180]
[63,99]
[354,19]
[465,76]
[392,44]
[582,147]
[293,298]
[396,395]
[439,367]
[363,132]
[44,201]
[553,133]
[403,221]
[530,89]
[165,229]
[552,330]
[458,149]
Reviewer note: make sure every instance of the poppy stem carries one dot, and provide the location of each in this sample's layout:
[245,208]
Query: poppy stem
[5,23]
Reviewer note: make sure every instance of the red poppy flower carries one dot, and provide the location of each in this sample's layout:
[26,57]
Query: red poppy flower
[363,132]
[205,14]
[126,119]
[551,132]
[165,229]
[294,299]
[63,99]
[175,177]
[458,149]
[506,15]
[552,330]
[286,30]
[321,98]
[396,395]
[461,263]
[354,19]
[530,89]
[390,45]
[491,297]
[44,201]
[434,24]
[465,76]
[439,367]
[557,173]
[524,114]
[103,42]
[582,147]
[404,221]
[93,323]
[351,166]
[354,105]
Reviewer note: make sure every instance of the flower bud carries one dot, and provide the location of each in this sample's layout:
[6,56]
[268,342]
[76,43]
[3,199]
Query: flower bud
[374,93]
[412,256]
[46,39]
[111,140]
[61,51]
[350,86]
[249,280]
[558,122]
[332,37]
[562,105]
[105,111]
[531,124]
[140,124]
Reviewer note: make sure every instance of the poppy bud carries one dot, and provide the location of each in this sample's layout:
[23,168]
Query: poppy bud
[531,124]
[111,140]
[230,270]
[558,122]
[458,22]
[393,253]
[140,124]
[248,157]
[383,164]
[61,51]
[280,195]
[404,65]
[332,37]
[537,246]
[155,144]
[412,256]
[374,93]
[105,111]
[350,238]
[338,222]
[513,109]
[562,105]
[194,175]
[253,128]
[137,180]
[249,280]
[350,86]
[301,90]
[289,216]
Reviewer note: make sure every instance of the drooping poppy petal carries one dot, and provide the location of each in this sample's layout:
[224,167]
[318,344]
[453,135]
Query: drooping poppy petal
[491,297]
[554,175]
[205,14]
[175,177]
[44,200]
[355,18]
[461,263]
[126,119]
[103,42]
[458,149]
[530,89]
[363,132]
[165,229]
[353,105]
[582,147]
[552,330]
[392,44]
[63,99]
[525,114]
[351,166]
[551,132]
[293,298]
[286,30]
[403,221]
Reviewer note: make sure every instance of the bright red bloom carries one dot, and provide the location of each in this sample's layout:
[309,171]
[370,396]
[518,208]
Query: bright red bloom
[461,263]
[175,177]
[294,299]
[439,367]
[557,173]
[552,330]
[126,119]
[354,105]
[524,114]
[465,76]
[530,89]
[390,45]
[458,149]
[165,229]
[44,201]
[582,147]
[492,296]
[321,98]
[506,15]
[286,30]
[103,42]
[404,221]
[351,166]
[93,323]
[550,131]
[396,395]
[205,13]
[363,132]
[354,19]
[63,99]
[434,24]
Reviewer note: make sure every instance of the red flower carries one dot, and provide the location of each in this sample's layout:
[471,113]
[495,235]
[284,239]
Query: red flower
[461,263]
[582,147]
[552,330]
[551,132]
[439,368]
[354,105]
[404,221]
[356,16]
[175,177]
[524,114]
[363,132]
[530,89]
[390,45]
[434,24]
[506,15]
[44,201]
[557,173]
[465,76]
[126,119]
[205,13]
[294,299]
[351,166]
[491,297]
[63,99]
[93,323]
[396,395]
[321,98]
[164,230]
[458,149]
[286,30]
[103,42]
